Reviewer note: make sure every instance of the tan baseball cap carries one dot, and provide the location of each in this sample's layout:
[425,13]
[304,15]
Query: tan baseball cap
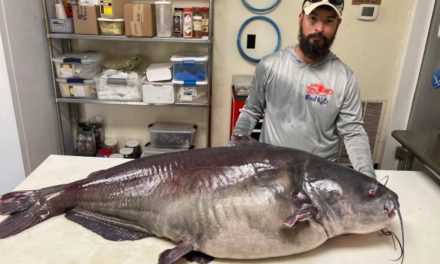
[309,6]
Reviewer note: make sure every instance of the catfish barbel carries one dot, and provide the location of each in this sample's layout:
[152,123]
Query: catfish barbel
[273,201]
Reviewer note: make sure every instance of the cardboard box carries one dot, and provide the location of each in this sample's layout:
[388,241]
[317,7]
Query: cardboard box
[112,8]
[85,19]
[140,20]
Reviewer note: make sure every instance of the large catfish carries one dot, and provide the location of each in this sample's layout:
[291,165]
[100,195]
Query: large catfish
[273,201]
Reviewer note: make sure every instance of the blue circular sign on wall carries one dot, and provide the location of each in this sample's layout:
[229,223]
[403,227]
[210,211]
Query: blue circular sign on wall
[261,10]
[436,79]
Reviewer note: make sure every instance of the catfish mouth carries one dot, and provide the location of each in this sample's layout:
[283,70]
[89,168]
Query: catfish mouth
[390,209]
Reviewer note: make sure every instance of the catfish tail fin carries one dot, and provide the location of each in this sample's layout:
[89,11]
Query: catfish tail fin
[15,202]
[25,209]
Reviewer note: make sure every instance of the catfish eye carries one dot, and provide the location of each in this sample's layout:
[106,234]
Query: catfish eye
[372,193]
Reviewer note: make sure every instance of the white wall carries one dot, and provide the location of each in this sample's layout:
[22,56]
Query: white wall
[11,163]
[30,109]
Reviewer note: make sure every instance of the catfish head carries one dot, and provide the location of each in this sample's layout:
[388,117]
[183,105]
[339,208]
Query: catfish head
[350,202]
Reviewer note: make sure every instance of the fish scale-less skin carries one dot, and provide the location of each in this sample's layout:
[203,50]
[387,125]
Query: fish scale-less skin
[213,204]
[245,202]
[214,207]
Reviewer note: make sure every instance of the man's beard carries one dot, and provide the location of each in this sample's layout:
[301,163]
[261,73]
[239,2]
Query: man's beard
[314,50]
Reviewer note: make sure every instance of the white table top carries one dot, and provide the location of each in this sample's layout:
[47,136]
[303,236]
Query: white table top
[59,240]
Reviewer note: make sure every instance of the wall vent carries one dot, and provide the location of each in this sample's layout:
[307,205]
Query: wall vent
[372,112]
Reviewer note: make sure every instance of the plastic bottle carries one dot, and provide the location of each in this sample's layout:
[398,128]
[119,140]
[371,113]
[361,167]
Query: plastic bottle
[135,145]
[197,27]
[178,22]
[111,143]
[127,153]
[60,13]
[187,22]
[205,21]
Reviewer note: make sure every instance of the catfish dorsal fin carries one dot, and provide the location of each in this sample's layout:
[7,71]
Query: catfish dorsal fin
[243,140]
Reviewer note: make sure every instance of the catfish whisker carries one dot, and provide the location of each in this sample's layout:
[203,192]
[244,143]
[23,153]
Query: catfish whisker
[386,178]
[394,237]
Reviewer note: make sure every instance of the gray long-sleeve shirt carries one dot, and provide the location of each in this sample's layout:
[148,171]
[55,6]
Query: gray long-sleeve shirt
[306,106]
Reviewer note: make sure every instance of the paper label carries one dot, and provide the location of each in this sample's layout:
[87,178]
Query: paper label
[66,70]
[187,93]
[79,91]
[108,10]
[138,13]
[106,7]
[71,90]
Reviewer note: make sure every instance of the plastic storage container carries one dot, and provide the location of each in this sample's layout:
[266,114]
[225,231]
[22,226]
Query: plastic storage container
[60,25]
[164,19]
[242,84]
[151,151]
[189,68]
[80,65]
[172,135]
[158,92]
[111,26]
[193,94]
[77,88]
[112,143]
[136,146]
[119,86]
[127,153]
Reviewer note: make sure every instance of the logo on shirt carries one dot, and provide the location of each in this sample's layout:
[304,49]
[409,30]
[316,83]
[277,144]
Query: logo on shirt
[317,92]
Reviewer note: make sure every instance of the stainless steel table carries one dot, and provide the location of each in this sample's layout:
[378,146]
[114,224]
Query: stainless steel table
[423,145]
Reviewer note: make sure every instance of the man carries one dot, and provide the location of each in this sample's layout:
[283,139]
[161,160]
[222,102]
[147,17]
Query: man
[307,95]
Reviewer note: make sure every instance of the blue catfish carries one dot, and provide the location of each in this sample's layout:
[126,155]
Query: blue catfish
[273,201]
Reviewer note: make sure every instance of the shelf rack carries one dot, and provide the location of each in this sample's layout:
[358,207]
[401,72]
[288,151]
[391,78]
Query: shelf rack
[67,107]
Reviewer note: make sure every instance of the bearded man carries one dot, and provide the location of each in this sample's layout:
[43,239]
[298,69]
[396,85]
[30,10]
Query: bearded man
[309,98]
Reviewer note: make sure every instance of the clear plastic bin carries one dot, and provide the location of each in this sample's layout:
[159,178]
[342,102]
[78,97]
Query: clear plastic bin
[164,19]
[158,92]
[77,88]
[111,26]
[118,86]
[192,94]
[172,135]
[189,68]
[80,65]
[151,151]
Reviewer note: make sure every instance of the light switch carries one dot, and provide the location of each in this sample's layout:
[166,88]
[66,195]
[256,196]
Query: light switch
[251,41]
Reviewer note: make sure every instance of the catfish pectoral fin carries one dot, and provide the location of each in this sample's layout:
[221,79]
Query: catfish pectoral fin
[172,255]
[110,228]
[301,215]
